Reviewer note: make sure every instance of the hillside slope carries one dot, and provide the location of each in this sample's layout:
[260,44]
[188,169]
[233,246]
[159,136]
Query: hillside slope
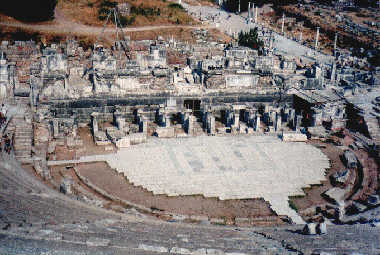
[143,13]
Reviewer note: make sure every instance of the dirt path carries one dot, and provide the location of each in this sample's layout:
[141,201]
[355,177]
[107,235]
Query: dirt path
[65,26]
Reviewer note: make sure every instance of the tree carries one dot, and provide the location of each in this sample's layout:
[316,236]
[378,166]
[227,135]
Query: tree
[28,10]
[250,39]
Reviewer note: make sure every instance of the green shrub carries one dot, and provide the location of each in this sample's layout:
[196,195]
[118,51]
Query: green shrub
[103,10]
[292,205]
[250,39]
[102,17]
[145,11]
[175,6]
[108,4]
[125,21]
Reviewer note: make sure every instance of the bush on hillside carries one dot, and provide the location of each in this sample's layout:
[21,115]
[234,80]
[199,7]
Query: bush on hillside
[145,11]
[250,39]
[108,4]
[28,10]
[175,6]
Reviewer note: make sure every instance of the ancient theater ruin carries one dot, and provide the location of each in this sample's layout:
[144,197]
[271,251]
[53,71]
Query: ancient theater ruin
[208,131]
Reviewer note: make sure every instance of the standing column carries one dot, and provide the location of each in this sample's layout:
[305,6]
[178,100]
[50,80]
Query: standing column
[283,22]
[55,128]
[249,12]
[167,120]
[95,127]
[189,125]
[278,122]
[239,7]
[252,11]
[257,123]
[257,10]
[333,71]
[120,122]
[335,41]
[316,39]
[236,119]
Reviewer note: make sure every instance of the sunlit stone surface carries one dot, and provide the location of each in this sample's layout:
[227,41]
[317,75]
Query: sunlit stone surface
[223,167]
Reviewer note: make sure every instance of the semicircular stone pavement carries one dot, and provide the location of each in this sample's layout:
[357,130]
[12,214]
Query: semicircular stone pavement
[223,167]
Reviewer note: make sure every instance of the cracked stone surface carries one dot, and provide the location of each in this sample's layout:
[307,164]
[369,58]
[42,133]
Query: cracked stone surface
[223,167]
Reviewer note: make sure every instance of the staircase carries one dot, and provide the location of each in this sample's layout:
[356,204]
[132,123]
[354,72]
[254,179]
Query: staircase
[197,128]
[23,138]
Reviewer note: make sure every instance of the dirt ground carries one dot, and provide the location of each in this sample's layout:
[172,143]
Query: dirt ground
[313,195]
[107,179]
[368,186]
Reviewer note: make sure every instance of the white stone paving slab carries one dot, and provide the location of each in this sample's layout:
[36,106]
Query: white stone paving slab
[223,167]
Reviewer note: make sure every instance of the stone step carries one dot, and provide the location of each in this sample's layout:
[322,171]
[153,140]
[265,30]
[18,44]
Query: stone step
[23,137]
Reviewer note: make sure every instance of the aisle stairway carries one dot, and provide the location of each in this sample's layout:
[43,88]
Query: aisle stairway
[23,138]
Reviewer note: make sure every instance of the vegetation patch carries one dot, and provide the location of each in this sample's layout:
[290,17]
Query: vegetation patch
[140,12]
[292,205]
[175,6]
[250,39]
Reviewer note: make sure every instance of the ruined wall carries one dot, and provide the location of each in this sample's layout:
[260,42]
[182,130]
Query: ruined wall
[82,108]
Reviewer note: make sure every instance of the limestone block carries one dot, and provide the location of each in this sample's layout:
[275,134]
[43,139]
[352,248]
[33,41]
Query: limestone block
[94,241]
[41,134]
[217,221]
[221,130]
[199,218]
[137,138]
[146,247]
[242,221]
[101,138]
[124,142]
[293,137]
[336,194]
[180,250]
[165,132]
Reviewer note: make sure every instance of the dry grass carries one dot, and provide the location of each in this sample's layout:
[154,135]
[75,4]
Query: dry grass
[18,34]
[200,2]
[180,34]
[79,11]
[86,12]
